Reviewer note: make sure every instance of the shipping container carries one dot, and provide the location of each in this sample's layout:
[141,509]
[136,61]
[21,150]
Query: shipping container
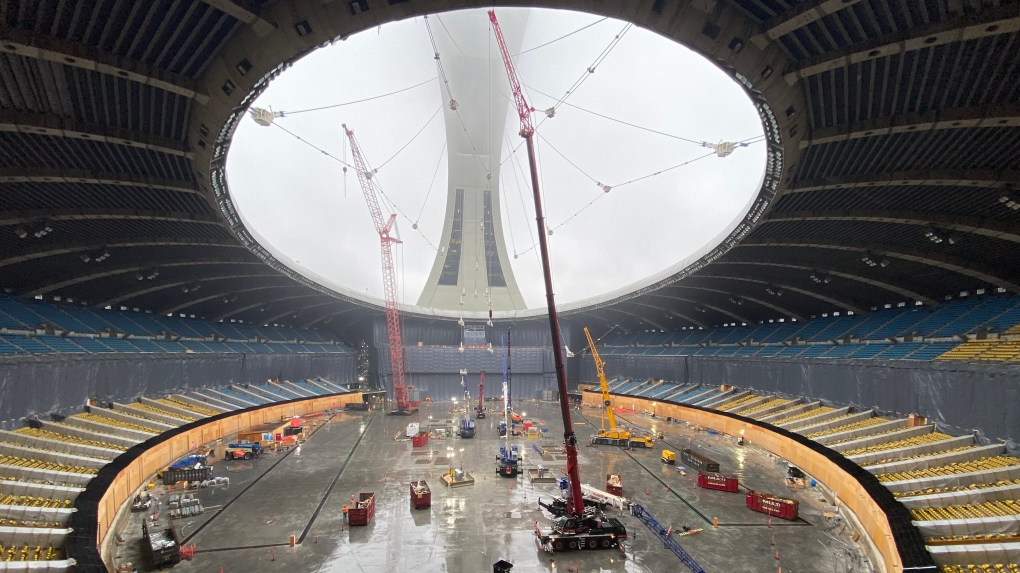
[362,509]
[719,482]
[421,495]
[782,507]
[699,462]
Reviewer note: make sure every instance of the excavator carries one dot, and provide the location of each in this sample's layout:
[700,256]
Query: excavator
[613,436]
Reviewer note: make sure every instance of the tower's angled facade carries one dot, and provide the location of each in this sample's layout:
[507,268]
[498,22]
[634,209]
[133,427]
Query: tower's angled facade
[472,269]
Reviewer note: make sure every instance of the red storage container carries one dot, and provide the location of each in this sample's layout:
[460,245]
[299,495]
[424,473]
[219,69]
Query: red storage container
[769,504]
[614,484]
[363,509]
[421,495]
[420,439]
[719,482]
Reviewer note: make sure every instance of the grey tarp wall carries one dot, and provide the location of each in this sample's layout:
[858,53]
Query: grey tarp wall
[963,397]
[436,371]
[62,383]
[448,333]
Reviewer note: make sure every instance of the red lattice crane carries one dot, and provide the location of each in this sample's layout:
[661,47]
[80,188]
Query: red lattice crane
[576,505]
[384,227]
[480,409]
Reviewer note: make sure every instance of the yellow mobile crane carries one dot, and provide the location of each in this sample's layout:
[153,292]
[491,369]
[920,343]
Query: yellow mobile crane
[612,436]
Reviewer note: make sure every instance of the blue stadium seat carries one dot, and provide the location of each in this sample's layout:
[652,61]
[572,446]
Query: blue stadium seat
[59,344]
[120,345]
[146,345]
[19,316]
[93,345]
[30,344]
[815,351]
[868,350]
[841,350]
[8,348]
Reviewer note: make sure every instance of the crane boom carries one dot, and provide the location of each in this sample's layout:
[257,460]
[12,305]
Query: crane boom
[481,389]
[523,109]
[384,226]
[575,507]
[600,368]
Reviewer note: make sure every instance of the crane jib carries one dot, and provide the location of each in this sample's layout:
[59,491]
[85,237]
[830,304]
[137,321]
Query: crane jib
[383,227]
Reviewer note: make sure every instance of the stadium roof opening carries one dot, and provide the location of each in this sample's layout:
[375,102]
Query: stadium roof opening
[649,154]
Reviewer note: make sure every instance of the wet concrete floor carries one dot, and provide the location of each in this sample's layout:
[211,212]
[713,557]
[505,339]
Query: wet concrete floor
[467,529]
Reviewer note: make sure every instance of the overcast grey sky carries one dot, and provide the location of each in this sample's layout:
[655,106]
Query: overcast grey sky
[302,204]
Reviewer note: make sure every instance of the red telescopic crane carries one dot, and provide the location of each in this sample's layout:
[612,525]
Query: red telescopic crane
[480,410]
[576,505]
[384,227]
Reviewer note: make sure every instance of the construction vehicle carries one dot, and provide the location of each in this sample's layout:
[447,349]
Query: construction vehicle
[467,428]
[463,385]
[505,427]
[480,408]
[581,527]
[242,451]
[558,506]
[613,436]
[668,457]
[405,406]
[509,461]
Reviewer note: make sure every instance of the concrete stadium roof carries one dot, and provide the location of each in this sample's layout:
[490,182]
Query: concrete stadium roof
[893,129]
